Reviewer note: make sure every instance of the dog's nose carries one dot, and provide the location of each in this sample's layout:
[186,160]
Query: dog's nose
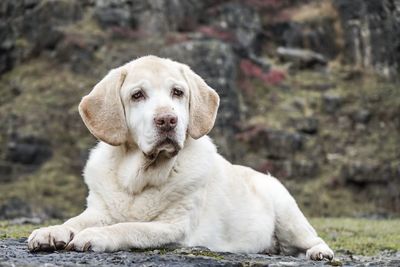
[166,122]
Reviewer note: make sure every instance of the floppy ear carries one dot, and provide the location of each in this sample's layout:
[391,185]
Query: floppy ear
[203,104]
[102,110]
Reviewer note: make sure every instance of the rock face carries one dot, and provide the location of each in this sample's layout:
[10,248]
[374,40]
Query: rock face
[319,37]
[15,207]
[242,22]
[28,27]
[331,130]
[371,30]
[276,144]
[28,151]
[150,16]
[301,58]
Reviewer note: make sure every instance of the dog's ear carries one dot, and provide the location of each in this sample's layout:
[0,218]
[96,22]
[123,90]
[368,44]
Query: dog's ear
[102,110]
[203,104]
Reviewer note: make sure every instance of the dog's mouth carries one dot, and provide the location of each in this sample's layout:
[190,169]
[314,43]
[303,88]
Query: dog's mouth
[168,147]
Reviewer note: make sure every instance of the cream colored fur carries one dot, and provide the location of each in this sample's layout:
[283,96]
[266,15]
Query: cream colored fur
[143,193]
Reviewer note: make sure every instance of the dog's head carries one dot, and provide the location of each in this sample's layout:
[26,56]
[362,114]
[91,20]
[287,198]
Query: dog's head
[153,102]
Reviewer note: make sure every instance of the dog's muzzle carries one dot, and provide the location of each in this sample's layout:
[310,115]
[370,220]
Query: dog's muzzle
[168,147]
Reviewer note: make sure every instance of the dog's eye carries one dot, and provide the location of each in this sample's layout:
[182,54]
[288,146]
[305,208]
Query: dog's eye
[138,95]
[177,92]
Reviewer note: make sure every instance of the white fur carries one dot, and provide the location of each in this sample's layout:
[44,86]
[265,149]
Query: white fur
[195,198]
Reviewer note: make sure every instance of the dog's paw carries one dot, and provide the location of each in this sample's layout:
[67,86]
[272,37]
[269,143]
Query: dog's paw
[319,252]
[50,238]
[93,239]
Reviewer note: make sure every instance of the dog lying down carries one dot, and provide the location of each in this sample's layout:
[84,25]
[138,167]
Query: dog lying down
[156,178]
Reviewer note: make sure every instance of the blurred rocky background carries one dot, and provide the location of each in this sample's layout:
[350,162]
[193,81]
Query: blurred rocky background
[309,93]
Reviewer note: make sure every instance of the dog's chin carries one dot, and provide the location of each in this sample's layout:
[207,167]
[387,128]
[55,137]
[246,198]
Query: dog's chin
[166,147]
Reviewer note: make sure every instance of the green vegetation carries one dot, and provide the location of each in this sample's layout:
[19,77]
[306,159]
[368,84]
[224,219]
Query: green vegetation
[55,189]
[182,251]
[8,230]
[208,254]
[344,235]
[359,236]
[340,141]
[48,105]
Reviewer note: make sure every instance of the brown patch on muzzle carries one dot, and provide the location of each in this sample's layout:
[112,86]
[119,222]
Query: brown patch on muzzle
[168,147]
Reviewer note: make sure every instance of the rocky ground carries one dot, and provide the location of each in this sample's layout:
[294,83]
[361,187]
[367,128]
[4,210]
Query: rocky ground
[13,252]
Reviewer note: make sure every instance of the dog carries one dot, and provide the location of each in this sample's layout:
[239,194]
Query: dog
[156,178]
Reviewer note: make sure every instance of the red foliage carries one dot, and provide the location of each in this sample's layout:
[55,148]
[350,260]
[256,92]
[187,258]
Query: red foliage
[217,33]
[250,69]
[272,77]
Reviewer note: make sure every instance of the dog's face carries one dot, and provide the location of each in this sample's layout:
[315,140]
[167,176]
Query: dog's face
[153,102]
[156,101]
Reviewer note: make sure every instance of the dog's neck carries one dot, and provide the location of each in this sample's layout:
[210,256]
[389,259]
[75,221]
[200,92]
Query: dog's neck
[138,172]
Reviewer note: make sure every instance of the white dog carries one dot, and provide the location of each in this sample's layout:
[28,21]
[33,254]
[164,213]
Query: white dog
[156,178]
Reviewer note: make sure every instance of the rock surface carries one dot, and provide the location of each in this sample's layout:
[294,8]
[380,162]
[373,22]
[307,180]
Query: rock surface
[371,30]
[13,252]
[301,58]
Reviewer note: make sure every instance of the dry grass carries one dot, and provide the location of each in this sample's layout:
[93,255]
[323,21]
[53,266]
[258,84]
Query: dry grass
[314,11]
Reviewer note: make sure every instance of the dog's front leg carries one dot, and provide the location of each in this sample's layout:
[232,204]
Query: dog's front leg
[123,236]
[58,236]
